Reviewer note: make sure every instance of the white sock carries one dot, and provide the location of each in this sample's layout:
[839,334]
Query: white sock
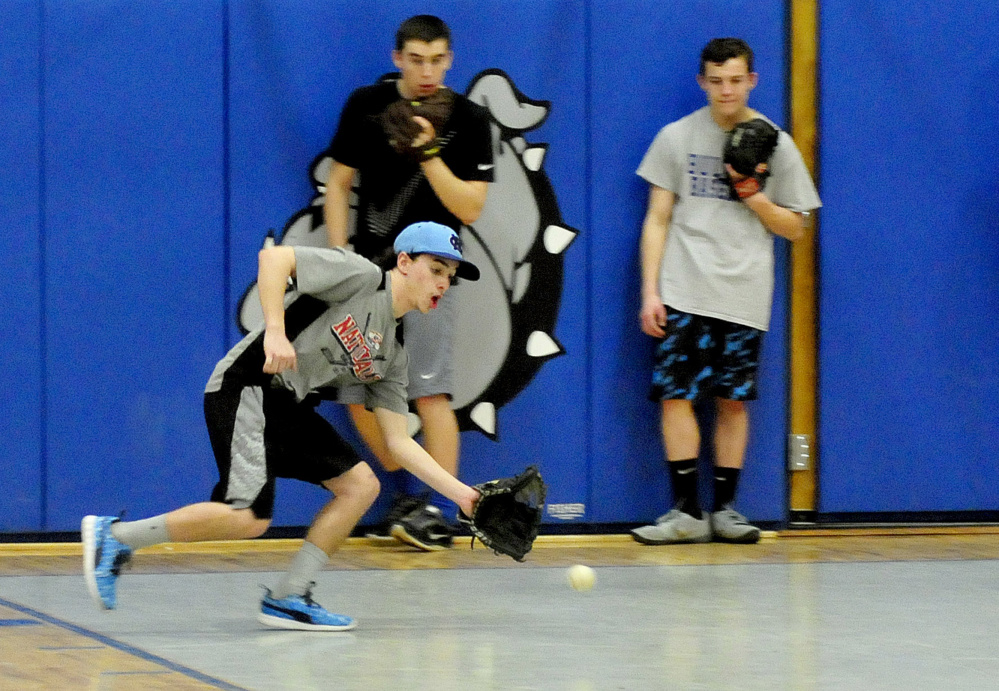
[139,534]
[304,568]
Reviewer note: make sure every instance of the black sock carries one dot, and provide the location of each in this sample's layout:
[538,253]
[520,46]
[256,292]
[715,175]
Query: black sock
[683,476]
[726,480]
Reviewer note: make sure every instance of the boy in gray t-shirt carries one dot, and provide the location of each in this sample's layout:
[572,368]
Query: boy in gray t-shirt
[336,329]
[707,286]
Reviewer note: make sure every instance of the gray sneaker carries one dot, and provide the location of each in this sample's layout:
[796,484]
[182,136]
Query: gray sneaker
[673,528]
[728,525]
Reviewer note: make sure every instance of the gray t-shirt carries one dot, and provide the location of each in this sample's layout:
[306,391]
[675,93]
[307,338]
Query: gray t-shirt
[719,258]
[339,319]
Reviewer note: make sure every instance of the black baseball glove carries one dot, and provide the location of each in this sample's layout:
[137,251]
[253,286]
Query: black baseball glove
[507,516]
[400,128]
[749,144]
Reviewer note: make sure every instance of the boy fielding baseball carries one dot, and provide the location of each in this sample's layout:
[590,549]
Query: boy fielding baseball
[336,330]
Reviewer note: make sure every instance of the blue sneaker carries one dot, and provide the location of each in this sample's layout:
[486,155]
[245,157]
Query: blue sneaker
[301,613]
[103,557]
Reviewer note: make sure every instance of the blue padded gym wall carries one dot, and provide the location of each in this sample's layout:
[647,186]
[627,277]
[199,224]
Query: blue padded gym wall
[644,63]
[909,257]
[20,270]
[134,252]
[154,145]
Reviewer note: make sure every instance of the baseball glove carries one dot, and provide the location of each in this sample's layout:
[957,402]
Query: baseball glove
[400,128]
[507,516]
[749,144]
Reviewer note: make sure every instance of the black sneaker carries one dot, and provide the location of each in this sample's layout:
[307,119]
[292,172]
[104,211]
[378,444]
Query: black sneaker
[425,529]
[402,505]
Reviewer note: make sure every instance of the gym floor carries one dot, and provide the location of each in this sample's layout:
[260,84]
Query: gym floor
[845,609]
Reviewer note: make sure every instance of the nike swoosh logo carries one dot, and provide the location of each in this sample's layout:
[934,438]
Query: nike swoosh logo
[688,471]
[485,166]
[428,376]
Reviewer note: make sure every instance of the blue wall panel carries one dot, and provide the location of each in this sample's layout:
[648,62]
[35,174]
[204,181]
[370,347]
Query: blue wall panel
[20,270]
[292,68]
[134,252]
[117,209]
[909,257]
[645,56]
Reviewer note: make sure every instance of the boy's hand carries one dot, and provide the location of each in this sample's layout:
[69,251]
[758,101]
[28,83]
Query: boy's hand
[279,353]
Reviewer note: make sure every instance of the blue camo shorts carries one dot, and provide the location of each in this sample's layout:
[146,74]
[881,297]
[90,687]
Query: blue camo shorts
[704,356]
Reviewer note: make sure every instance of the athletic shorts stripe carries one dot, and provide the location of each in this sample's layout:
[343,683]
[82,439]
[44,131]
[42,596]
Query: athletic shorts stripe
[259,434]
[248,464]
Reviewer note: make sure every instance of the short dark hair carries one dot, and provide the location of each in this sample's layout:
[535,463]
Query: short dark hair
[720,50]
[389,259]
[422,27]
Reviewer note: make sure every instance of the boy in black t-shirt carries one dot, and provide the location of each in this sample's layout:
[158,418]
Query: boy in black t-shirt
[394,191]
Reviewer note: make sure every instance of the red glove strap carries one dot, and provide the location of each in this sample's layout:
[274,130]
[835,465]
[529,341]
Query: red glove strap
[746,187]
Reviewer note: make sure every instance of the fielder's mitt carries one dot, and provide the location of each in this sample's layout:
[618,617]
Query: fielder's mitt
[749,144]
[400,128]
[507,516]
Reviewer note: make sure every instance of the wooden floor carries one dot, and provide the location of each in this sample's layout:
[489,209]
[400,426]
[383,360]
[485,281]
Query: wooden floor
[40,651]
[787,547]
[34,655]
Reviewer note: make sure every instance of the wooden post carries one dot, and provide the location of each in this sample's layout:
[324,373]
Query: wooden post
[804,314]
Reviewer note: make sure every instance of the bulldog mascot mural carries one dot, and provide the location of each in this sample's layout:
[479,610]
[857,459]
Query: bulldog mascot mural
[506,320]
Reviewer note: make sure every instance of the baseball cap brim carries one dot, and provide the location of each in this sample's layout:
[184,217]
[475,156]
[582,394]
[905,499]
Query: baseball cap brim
[467,271]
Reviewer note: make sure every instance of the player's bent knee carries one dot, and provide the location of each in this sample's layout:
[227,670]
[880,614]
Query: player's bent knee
[368,484]
[259,527]
[359,484]
[252,526]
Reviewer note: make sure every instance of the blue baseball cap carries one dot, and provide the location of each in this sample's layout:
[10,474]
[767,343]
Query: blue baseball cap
[427,237]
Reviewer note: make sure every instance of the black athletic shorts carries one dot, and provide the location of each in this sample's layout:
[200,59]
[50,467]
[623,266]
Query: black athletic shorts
[704,356]
[259,433]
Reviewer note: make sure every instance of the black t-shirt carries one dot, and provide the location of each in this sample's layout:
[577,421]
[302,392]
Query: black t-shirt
[393,190]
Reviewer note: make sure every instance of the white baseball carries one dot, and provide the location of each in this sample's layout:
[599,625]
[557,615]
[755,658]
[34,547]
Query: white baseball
[581,577]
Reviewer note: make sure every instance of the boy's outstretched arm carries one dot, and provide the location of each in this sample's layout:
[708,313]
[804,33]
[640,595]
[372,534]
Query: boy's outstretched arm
[411,456]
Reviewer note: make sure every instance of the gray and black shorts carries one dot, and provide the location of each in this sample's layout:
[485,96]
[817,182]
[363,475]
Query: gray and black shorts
[259,433]
[704,356]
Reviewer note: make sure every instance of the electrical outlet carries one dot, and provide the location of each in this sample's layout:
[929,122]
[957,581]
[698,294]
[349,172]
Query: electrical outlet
[799,452]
